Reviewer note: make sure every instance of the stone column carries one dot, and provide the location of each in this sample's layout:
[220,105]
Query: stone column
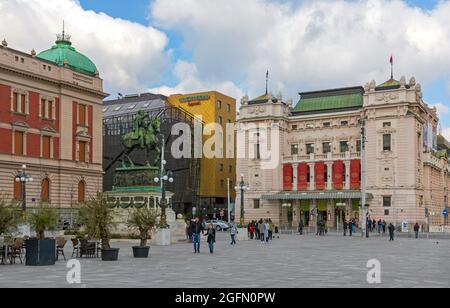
[347,175]
[331,218]
[295,213]
[312,184]
[330,176]
[313,219]
[295,177]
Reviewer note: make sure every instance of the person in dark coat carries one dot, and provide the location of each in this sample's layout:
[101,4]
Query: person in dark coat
[345,227]
[211,237]
[391,230]
[300,227]
[416,230]
[350,227]
[197,228]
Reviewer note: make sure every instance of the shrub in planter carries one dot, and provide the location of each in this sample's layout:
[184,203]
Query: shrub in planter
[8,216]
[142,220]
[41,251]
[97,217]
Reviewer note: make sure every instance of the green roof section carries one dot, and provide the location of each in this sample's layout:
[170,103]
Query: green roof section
[389,83]
[64,54]
[320,101]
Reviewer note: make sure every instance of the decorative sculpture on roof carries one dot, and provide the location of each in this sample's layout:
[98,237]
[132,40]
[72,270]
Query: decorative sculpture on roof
[244,100]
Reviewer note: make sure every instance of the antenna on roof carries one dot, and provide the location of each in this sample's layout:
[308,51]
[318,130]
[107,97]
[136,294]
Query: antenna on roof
[63,37]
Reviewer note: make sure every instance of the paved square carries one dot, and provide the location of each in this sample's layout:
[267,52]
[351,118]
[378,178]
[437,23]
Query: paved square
[291,261]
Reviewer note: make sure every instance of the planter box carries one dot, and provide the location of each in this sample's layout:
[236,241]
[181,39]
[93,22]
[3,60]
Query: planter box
[163,237]
[141,252]
[242,234]
[111,254]
[40,252]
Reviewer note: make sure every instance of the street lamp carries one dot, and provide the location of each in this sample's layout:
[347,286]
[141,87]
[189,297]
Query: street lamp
[165,176]
[24,177]
[243,188]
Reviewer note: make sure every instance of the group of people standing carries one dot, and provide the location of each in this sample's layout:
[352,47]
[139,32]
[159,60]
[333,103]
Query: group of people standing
[195,229]
[264,230]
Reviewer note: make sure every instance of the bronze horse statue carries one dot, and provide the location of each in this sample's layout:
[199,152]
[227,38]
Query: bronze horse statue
[145,135]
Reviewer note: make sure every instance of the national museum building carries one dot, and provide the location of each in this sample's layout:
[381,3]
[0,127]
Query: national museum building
[50,121]
[319,173]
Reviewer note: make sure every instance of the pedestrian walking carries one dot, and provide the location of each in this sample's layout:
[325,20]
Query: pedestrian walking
[261,231]
[233,233]
[271,227]
[345,227]
[350,227]
[266,231]
[300,227]
[211,237]
[384,224]
[391,230]
[197,228]
[251,229]
[416,230]
[257,233]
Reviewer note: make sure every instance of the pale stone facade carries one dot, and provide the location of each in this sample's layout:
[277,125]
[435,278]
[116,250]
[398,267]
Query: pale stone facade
[320,140]
[58,92]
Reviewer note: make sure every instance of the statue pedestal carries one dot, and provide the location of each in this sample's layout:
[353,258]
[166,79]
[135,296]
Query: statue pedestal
[242,234]
[163,237]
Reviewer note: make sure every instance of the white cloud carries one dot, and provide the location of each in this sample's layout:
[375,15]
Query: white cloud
[441,109]
[309,44]
[189,82]
[446,133]
[128,55]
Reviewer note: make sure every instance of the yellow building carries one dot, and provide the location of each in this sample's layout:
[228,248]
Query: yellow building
[213,107]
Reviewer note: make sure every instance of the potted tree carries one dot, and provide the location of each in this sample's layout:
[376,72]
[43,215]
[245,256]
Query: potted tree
[8,217]
[142,220]
[97,216]
[41,251]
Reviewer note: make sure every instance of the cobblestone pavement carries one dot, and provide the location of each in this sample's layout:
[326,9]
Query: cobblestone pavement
[291,261]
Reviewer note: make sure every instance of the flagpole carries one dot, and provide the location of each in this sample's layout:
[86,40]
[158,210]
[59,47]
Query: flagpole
[392,68]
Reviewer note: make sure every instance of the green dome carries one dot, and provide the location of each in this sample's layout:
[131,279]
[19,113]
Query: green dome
[64,54]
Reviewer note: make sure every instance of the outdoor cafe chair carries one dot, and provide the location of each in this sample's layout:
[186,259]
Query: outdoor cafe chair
[60,243]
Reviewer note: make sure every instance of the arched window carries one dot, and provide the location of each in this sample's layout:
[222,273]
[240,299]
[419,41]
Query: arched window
[17,190]
[81,192]
[45,190]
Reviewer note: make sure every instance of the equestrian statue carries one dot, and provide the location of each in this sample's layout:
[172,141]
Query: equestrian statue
[145,135]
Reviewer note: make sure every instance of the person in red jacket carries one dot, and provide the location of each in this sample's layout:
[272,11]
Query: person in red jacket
[251,230]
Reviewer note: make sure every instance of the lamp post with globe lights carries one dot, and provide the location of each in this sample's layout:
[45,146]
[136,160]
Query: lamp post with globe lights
[243,188]
[24,177]
[165,176]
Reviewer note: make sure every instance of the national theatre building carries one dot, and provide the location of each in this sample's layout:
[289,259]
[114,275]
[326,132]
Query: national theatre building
[319,142]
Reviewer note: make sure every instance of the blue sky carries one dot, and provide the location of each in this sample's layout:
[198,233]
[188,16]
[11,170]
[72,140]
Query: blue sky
[436,90]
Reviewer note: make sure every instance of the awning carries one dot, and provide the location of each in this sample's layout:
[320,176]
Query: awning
[316,195]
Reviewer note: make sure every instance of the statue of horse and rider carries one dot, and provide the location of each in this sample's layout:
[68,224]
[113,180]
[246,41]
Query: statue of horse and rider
[145,135]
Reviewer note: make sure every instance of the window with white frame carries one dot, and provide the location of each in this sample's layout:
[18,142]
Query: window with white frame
[20,102]
[47,108]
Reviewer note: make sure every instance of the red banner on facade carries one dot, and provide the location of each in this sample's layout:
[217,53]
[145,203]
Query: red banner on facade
[303,175]
[320,175]
[338,174]
[355,174]
[287,177]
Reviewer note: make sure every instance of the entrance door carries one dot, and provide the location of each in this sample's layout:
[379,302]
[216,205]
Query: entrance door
[322,216]
[305,217]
